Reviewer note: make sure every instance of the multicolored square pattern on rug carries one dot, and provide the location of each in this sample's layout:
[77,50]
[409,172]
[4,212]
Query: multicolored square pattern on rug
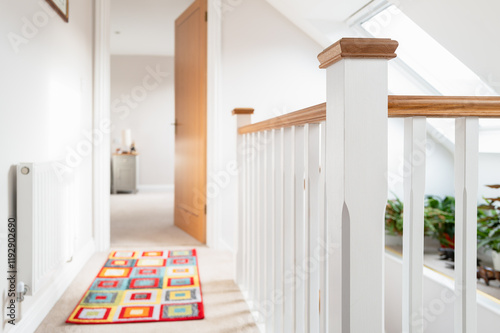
[142,286]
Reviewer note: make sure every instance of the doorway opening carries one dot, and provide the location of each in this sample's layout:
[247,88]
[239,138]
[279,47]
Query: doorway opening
[143,118]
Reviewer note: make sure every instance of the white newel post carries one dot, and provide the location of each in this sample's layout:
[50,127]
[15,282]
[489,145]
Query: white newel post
[356,181]
[243,118]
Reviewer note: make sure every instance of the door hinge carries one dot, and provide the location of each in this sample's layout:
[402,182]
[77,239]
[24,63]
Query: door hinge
[205,209]
[206,16]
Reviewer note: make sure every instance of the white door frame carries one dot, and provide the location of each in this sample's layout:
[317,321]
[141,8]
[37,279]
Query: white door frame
[101,121]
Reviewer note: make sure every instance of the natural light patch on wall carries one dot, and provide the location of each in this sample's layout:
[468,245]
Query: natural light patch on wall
[64,120]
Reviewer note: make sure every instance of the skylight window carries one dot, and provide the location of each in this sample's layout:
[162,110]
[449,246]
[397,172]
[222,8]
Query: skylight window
[425,67]
[425,56]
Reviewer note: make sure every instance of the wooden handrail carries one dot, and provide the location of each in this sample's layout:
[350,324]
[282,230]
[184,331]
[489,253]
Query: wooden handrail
[444,106]
[314,114]
[399,107]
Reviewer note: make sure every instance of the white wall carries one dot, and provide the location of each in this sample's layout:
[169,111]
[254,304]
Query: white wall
[438,302]
[439,168]
[267,64]
[489,174]
[46,94]
[148,114]
[439,164]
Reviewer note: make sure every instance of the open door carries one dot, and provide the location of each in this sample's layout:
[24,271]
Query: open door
[191,120]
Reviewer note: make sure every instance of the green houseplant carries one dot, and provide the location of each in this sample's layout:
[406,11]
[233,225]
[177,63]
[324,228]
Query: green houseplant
[439,219]
[394,217]
[488,227]
[439,215]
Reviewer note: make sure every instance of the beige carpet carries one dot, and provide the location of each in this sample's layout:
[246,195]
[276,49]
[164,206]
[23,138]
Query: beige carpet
[145,222]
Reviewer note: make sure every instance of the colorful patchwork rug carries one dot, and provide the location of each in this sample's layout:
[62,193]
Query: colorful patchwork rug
[142,286]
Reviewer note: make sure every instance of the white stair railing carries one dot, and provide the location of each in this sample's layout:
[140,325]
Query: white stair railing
[302,267]
[466,110]
[466,183]
[312,196]
[286,258]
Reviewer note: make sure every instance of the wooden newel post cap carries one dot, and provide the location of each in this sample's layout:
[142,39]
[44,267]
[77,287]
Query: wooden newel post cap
[238,111]
[358,48]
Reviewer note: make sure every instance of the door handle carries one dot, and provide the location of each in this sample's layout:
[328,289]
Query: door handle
[175,124]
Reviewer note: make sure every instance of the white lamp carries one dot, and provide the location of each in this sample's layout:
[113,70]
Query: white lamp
[126,140]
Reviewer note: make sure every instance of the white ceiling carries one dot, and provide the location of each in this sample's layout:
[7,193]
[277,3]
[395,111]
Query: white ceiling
[146,26]
[323,20]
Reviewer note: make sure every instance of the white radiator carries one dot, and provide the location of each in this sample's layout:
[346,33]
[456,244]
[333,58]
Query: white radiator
[47,209]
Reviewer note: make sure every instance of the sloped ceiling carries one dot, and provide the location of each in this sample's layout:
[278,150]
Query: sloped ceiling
[323,20]
[468,29]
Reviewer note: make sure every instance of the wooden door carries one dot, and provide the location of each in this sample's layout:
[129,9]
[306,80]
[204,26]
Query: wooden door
[191,120]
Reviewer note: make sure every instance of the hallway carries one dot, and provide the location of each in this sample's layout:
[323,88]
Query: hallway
[140,222]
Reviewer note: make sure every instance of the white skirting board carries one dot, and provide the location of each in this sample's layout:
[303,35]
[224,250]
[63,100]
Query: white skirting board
[48,295]
[156,188]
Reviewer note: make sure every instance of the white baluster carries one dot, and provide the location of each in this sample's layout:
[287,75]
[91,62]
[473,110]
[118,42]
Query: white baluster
[257,221]
[269,254]
[301,234]
[240,230]
[323,278]
[253,269]
[246,209]
[248,235]
[313,222]
[263,207]
[466,183]
[289,229]
[413,236]
[279,232]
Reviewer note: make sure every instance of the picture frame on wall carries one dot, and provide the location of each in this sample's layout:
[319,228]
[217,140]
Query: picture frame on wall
[61,7]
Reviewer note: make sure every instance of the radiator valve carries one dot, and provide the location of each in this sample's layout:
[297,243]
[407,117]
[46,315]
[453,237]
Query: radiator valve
[22,289]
